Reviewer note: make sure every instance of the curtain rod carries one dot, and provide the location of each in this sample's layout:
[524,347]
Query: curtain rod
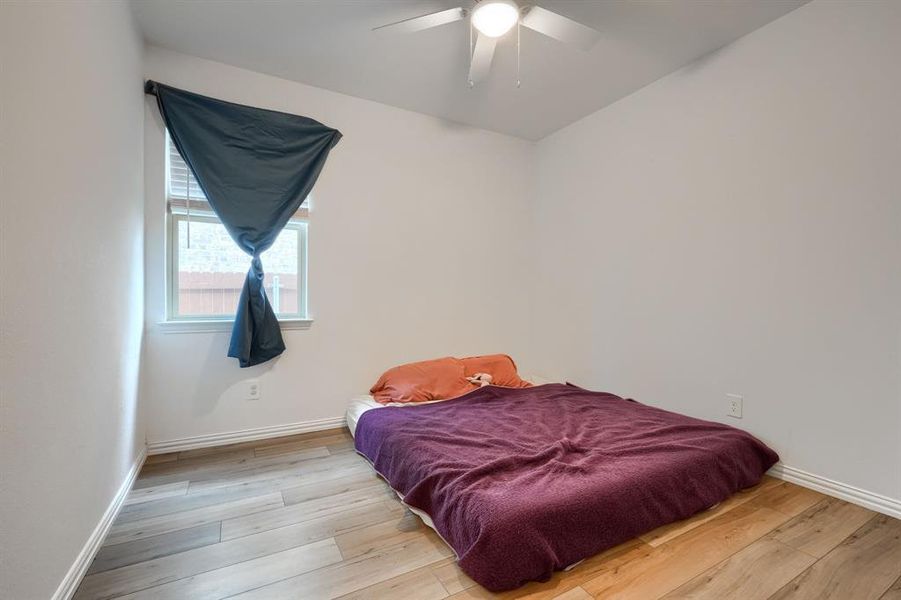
[150,87]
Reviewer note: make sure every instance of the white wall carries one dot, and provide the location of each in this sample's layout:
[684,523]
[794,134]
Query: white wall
[417,248]
[736,227]
[71,301]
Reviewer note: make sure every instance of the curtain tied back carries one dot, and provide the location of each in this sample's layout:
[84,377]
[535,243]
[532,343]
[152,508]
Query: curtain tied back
[255,167]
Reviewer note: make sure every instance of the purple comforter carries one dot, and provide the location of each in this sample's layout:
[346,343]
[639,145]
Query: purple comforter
[523,482]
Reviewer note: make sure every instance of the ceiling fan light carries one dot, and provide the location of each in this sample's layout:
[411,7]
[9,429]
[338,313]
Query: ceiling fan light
[494,18]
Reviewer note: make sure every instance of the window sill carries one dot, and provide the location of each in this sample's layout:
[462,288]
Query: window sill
[219,325]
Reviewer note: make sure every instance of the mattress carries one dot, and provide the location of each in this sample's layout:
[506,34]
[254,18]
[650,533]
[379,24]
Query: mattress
[356,408]
[524,482]
[361,404]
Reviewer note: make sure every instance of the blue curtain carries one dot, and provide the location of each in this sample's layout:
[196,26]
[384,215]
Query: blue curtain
[256,167]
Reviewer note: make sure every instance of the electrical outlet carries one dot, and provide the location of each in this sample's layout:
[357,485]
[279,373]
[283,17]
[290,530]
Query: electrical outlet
[734,406]
[252,390]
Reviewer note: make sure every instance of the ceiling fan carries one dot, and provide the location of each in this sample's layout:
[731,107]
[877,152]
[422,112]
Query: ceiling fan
[492,19]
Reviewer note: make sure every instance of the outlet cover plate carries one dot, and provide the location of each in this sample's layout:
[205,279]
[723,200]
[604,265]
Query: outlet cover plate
[734,405]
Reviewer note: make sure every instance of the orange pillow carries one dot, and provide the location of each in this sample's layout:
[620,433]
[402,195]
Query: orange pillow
[500,366]
[438,379]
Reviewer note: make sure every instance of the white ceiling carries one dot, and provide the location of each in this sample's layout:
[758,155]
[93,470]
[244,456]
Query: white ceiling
[329,44]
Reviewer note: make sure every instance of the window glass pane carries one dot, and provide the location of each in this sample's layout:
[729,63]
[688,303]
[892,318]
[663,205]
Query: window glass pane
[280,266]
[211,272]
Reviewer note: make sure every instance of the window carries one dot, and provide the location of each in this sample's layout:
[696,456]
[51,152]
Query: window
[206,269]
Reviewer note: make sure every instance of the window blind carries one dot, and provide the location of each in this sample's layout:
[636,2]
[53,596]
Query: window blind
[180,177]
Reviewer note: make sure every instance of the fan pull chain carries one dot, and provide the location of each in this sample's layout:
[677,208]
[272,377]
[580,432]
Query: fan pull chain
[471,52]
[518,27]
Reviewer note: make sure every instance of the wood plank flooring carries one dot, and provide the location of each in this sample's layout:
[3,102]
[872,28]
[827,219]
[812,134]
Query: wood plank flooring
[305,517]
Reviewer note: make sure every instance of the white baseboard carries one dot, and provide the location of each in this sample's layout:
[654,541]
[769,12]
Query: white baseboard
[78,569]
[883,504]
[245,435]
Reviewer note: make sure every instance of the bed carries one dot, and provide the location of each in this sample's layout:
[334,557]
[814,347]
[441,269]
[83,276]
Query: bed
[524,482]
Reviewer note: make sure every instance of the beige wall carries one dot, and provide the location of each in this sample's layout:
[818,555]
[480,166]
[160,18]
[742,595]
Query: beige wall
[418,247]
[71,301]
[735,227]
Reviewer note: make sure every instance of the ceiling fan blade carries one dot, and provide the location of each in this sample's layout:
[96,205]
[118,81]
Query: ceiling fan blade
[560,28]
[481,58]
[425,21]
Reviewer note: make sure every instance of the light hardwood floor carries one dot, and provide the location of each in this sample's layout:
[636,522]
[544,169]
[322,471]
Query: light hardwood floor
[305,517]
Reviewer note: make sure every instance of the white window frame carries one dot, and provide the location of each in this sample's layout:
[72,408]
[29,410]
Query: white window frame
[176,323]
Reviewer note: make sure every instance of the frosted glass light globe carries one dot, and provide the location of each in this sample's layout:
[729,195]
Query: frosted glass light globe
[494,18]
